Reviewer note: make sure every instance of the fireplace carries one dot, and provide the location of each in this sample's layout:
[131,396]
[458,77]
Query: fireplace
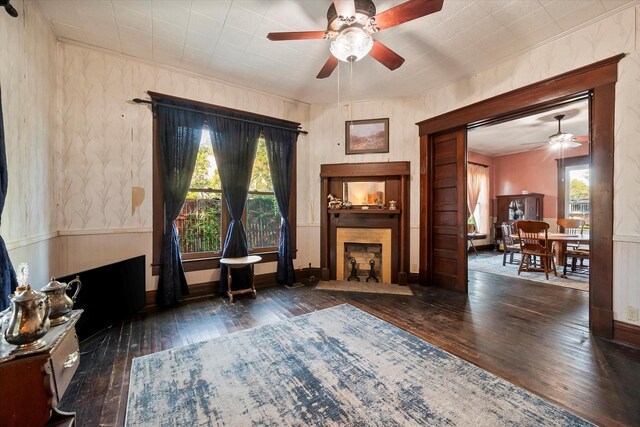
[363,244]
[380,232]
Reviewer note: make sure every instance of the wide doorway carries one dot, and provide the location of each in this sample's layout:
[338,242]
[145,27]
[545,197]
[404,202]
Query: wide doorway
[534,167]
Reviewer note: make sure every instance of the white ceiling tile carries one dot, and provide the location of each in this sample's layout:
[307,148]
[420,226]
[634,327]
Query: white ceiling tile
[196,57]
[541,34]
[167,48]
[614,4]
[581,15]
[135,37]
[226,53]
[227,42]
[169,31]
[516,10]
[137,50]
[171,11]
[102,10]
[299,16]
[131,18]
[242,19]
[235,37]
[63,11]
[531,22]
[492,6]
[141,6]
[216,10]
[259,7]
[203,24]
[560,8]
[202,42]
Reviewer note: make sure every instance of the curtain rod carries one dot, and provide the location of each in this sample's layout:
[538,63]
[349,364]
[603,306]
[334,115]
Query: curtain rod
[193,110]
[478,164]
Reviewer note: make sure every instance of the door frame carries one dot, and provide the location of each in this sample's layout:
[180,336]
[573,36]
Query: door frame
[598,81]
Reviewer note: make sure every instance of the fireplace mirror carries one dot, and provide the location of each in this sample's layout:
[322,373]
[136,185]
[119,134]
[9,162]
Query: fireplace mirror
[364,193]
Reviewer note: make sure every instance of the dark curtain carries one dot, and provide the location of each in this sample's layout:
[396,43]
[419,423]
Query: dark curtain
[234,146]
[179,134]
[280,144]
[7,274]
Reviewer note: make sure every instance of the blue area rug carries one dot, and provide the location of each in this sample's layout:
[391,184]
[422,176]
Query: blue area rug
[339,366]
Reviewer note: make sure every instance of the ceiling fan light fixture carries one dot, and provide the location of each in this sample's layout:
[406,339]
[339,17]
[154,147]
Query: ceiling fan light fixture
[560,139]
[352,44]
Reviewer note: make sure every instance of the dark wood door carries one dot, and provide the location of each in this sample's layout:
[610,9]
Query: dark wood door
[447,193]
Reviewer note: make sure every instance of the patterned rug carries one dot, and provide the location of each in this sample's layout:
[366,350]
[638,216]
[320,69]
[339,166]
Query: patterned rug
[370,287]
[493,264]
[334,367]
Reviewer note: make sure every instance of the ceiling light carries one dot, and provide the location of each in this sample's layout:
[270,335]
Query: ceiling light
[352,44]
[561,139]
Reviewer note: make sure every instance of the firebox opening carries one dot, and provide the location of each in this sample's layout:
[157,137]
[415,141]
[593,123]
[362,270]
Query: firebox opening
[363,254]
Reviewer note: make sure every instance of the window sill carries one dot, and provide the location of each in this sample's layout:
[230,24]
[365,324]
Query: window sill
[213,262]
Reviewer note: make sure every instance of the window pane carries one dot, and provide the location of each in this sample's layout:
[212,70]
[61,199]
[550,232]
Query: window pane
[263,221]
[200,221]
[578,191]
[263,218]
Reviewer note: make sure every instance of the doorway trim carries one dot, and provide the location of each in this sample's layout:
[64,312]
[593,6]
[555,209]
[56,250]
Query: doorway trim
[598,80]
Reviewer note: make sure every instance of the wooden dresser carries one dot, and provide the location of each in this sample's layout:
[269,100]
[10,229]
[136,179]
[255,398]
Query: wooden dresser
[32,383]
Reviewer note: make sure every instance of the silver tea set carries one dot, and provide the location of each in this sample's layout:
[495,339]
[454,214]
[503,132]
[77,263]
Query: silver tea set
[32,312]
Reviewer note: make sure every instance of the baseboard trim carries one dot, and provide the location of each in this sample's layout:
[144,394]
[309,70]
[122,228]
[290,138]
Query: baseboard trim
[196,290]
[266,280]
[626,332]
[414,277]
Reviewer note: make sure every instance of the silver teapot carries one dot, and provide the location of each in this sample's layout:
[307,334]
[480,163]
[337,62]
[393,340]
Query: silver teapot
[61,303]
[29,319]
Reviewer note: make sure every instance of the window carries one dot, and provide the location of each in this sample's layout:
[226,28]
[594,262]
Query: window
[203,222]
[577,187]
[574,199]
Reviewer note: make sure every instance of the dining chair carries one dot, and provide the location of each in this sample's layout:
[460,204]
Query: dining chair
[575,251]
[509,244]
[534,242]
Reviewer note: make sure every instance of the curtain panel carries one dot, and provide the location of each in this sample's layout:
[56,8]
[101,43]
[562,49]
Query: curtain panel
[234,147]
[8,281]
[179,134]
[280,149]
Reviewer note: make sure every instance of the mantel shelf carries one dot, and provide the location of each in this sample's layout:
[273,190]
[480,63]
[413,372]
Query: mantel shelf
[370,211]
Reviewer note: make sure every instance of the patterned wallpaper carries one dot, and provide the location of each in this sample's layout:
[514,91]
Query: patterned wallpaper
[105,145]
[28,79]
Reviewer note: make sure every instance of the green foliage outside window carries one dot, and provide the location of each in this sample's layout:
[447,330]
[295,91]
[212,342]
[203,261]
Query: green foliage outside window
[200,221]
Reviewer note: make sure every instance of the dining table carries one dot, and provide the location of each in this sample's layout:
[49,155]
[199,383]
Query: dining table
[560,241]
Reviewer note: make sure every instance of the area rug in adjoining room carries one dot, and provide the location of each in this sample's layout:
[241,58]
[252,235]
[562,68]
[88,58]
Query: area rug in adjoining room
[363,286]
[493,264]
[334,367]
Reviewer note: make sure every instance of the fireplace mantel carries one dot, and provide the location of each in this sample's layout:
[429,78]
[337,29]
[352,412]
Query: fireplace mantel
[396,178]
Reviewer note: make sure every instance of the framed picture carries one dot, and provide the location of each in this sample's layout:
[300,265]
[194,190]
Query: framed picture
[364,193]
[367,136]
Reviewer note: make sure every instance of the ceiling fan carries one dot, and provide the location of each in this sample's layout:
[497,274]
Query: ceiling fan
[10,9]
[350,26]
[561,139]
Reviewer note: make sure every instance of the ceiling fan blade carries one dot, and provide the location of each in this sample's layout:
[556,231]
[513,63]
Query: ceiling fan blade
[405,12]
[386,56]
[328,68]
[583,138]
[345,8]
[297,35]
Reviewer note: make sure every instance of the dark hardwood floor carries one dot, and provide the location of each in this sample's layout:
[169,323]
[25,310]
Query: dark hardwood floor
[526,332]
